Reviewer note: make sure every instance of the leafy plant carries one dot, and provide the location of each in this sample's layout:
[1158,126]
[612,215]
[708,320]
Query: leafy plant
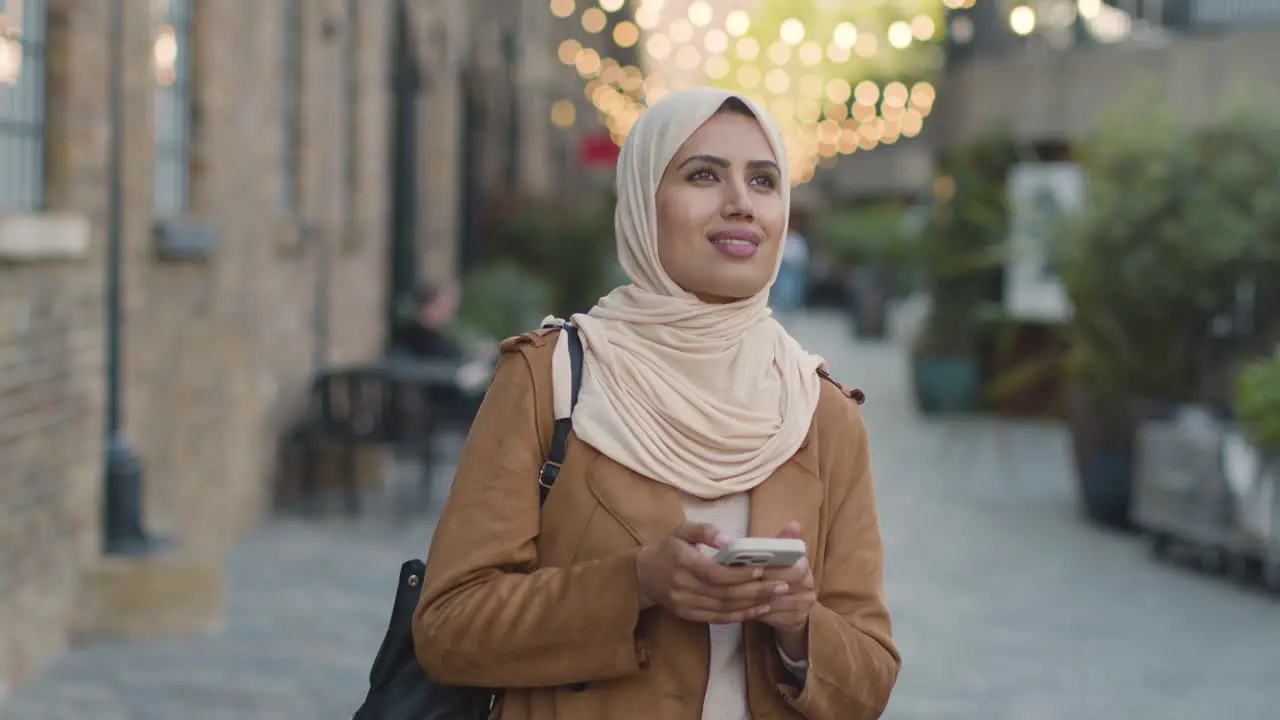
[962,246]
[572,247]
[1174,221]
[503,300]
[1257,402]
[871,234]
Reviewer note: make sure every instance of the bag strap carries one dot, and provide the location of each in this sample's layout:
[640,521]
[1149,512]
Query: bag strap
[572,344]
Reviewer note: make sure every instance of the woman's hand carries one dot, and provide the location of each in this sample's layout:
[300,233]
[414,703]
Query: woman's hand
[675,574]
[789,613]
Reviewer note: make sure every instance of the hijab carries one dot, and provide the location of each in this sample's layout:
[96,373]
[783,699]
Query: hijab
[708,398]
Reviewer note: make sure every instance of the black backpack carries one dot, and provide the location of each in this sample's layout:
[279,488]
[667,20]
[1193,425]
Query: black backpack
[398,687]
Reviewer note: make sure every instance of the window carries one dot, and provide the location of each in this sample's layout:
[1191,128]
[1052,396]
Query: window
[22,86]
[290,105]
[350,99]
[172,58]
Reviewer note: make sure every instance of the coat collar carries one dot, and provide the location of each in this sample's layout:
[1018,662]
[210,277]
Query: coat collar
[648,510]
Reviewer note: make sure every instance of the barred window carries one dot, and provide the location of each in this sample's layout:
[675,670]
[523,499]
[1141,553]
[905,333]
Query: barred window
[290,105]
[172,59]
[22,104]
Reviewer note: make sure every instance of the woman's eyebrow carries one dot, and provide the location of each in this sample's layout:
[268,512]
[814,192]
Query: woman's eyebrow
[721,162]
[710,159]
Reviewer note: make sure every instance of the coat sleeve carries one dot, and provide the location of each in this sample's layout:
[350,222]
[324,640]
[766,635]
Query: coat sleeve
[488,616]
[853,662]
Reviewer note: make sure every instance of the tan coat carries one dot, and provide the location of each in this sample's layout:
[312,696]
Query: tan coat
[546,605]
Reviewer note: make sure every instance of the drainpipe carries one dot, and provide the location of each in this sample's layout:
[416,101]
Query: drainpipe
[406,200]
[511,54]
[122,525]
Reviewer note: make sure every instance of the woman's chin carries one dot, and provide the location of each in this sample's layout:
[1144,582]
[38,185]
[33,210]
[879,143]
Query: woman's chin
[726,295]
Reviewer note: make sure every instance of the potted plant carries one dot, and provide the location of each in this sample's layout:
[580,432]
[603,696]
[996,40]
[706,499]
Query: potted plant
[958,251]
[1174,221]
[873,247]
[1022,366]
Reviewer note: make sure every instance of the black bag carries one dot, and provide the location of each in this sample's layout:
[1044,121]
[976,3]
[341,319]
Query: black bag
[398,687]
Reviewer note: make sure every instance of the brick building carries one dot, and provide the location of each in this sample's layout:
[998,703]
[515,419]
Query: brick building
[259,231]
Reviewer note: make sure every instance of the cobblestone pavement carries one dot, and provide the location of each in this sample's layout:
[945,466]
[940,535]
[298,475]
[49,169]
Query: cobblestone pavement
[1006,605]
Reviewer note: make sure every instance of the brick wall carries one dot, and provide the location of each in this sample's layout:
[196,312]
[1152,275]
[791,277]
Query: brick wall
[218,351]
[226,347]
[51,372]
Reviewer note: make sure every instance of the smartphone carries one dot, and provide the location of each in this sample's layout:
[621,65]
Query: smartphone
[761,552]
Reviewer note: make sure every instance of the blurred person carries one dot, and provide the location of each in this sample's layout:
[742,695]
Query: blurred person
[700,420]
[429,336]
[790,287]
[427,333]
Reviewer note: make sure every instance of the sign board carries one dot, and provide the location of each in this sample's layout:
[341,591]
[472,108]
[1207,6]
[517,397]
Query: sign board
[597,150]
[1040,194]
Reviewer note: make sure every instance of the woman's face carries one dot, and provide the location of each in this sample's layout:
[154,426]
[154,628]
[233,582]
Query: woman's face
[720,210]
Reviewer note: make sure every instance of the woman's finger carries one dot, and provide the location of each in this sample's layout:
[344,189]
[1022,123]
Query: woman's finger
[725,618]
[795,602]
[695,601]
[713,573]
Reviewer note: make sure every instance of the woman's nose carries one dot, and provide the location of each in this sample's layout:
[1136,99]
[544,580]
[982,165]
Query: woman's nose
[737,202]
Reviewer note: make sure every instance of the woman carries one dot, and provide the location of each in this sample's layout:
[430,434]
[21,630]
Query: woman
[699,420]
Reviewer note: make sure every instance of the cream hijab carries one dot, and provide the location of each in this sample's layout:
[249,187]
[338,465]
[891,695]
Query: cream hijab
[707,398]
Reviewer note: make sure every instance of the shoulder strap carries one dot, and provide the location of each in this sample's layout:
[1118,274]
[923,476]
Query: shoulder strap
[560,436]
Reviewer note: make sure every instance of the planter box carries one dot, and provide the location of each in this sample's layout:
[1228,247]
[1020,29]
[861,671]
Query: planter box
[1181,490]
[945,384]
[1199,483]
[1102,449]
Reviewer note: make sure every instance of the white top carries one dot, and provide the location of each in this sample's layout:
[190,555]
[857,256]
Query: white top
[726,697]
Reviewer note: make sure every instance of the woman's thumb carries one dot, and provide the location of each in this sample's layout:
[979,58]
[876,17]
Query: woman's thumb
[701,534]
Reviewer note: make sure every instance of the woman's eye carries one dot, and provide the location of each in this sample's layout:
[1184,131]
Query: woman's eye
[764,180]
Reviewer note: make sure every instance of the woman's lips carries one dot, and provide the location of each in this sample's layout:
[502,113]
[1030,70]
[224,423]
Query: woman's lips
[736,243]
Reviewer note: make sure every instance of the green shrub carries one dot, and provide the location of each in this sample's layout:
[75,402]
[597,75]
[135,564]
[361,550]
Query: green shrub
[962,246]
[1174,221]
[503,300]
[571,247]
[1257,402]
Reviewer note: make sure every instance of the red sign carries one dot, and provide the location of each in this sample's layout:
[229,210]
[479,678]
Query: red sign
[597,150]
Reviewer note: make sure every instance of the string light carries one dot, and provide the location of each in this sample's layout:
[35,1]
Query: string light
[737,23]
[899,35]
[821,118]
[845,35]
[562,8]
[594,20]
[1022,20]
[700,13]
[791,31]
[626,34]
[563,113]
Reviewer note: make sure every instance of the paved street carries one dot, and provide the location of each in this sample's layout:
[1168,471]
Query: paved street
[1006,605]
